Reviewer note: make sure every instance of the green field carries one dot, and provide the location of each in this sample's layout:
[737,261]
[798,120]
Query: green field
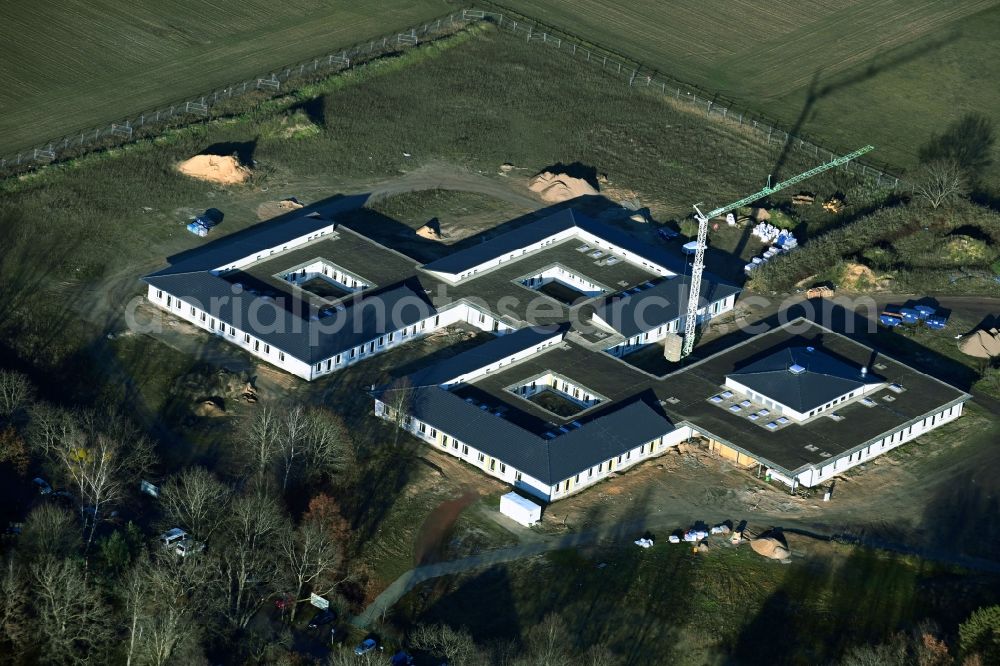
[886,72]
[77,64]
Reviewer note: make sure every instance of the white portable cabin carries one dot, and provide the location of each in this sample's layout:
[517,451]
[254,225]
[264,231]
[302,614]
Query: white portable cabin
[520,509]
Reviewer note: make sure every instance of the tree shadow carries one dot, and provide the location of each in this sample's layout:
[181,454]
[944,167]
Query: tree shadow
[243,150]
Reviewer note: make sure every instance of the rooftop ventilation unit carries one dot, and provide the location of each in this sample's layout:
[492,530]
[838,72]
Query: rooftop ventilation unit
[810,349]
[868,402]
[896,388]
[796,369]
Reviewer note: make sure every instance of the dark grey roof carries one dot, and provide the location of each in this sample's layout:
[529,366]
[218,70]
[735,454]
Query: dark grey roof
[288,323]
[226,250]
[534,232]
[802,378]
[485,354]
[550,461]
[634,313]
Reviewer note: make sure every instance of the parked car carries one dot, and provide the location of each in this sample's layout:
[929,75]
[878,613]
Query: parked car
[172,537]
[188,547]
[321,618]
[366,646]
[43,486]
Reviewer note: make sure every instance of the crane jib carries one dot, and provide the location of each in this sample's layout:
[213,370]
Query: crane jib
[691,317]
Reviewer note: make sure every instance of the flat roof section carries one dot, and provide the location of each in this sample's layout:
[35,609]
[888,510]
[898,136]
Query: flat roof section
[688,391]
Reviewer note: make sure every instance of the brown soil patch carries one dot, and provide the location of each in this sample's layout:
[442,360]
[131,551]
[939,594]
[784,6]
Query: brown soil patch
[215,169]
[438,526]
[270,209]
[554,188]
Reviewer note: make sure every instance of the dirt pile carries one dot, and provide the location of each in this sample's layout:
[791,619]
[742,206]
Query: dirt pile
[270,209]
[981,343]
[215,169]
[554,188]
[858,276]
[220,386]
[431,230]
[211,408]
[770,547]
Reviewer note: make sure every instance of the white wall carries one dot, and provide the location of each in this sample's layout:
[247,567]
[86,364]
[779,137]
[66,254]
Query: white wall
[819,473]
[820,412]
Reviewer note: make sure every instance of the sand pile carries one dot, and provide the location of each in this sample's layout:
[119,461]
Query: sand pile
[554,188]
[270,209]
[770,547]
[215,169]
[981,344]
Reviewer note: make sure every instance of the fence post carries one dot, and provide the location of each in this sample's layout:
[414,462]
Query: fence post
[631,78]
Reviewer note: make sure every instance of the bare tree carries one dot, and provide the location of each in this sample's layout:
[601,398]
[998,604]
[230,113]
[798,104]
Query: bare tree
[292,441]
[15,627]
[453,645]
[74,624]
[328,445]
[161,612]
[49,530]
[16,393]
[49,425]
[312,556]
[398,401]
[941,182]
[247,556]
[262,441]
[109,456]
[548,643]
[196,500]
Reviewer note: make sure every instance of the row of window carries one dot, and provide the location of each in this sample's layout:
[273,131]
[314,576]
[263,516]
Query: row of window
[623,459]
[375,345]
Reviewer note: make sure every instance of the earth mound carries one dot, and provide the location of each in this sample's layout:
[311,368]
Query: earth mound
[557,187]
[215,169]
[858,276]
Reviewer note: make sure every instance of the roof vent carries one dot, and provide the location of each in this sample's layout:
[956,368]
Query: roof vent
[810,349]
[796,369]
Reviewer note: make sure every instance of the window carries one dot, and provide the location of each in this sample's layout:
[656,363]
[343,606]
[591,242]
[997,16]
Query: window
[192,310]
[482,457]
[353,353]
[619,460]
[465,449]
[281,357]
[600,468]
[444,440]
[577,480]
[590,472]
[381,340]
[328,364]
[159,293]
[423,428]
[503,468]
[232,330]
[337,359]
[454,444]
[391,336]
[517,476]
[203,316]
[434,432]
[319,366]
[267,349]
[246,338]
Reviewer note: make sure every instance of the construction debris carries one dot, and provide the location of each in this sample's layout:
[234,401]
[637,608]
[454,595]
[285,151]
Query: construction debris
[431,230]
[803,199]
[822,291]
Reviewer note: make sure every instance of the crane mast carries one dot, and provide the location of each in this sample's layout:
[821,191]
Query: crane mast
[691,318]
